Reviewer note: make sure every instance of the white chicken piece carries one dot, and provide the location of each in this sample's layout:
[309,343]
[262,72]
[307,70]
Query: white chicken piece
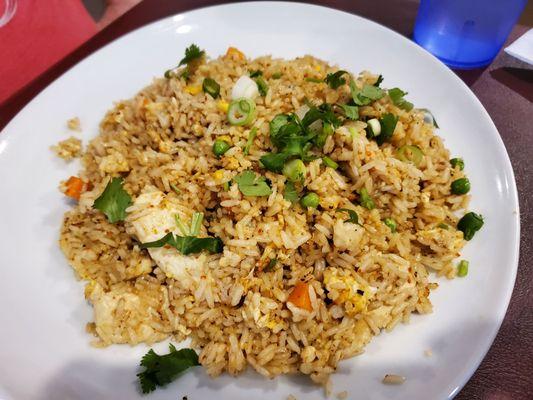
[112,310]
[152,216]
[347,235]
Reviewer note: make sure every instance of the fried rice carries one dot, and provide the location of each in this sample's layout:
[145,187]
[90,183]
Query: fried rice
[360,278]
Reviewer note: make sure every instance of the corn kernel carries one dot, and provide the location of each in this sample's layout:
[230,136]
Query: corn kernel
[223,106]
[218,175]
[318,68]
[225,138]
[193,89]
[233,163]
[235,53]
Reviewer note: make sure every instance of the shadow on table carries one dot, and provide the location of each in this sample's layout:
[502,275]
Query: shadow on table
[519,80]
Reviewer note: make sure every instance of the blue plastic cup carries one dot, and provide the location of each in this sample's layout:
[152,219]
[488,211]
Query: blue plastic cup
[466,34]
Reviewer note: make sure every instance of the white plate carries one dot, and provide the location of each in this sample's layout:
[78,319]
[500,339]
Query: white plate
[44,350]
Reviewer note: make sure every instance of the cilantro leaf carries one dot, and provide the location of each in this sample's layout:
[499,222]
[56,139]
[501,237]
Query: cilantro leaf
[351,112]
[274,161]
[290,193]
[353,217]
[324,112]
[187,244]
[113,201]
[388,124]
[163,369]
[251,184]
[192,52]
[335,79]
[396,95]
[366,95]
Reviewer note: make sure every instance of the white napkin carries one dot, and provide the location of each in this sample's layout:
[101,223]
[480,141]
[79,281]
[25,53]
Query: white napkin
[522,48]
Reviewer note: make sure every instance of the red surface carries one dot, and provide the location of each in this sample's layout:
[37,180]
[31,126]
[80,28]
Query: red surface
[41,33]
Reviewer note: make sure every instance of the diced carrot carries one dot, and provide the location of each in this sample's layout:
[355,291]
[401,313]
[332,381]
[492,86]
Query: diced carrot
[235,53]
[300,296]
[74,187]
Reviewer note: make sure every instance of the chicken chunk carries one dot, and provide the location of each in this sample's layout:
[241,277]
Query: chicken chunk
[347,235]
[152,216]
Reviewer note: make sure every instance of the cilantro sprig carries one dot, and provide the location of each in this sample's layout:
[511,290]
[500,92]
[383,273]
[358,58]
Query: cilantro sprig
[366,95]
[113,201]
[193,56]
[335,79]
[397,97]
[160,370]
[187,244]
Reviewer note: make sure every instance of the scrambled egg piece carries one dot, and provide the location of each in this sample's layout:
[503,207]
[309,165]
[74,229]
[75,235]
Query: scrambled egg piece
[153,216]
[345,291]
[347,235]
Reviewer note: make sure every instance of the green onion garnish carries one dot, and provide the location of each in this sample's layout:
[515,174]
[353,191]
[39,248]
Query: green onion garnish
[250,141]
[409,153]
[210,86]
[328,162]
[241,111]
[462,268]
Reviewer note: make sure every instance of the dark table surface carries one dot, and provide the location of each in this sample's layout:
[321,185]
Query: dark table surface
[506,90]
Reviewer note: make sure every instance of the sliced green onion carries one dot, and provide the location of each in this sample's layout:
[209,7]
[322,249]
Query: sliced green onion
[210,86]
[294,170]
[277,75]
[328,162]
[181,226]
[196,223]
[225,186]
[442,225]
[374,127]
[365,200]
[469,224]
[220,147]
[241,111]
[391,224]
[409,153]
[314,80]
[310,200]
[353,132]
[261,86]
[250,141]
[462,268]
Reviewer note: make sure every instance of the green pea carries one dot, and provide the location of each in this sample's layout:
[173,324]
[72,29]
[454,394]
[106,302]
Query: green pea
[462,268]
[470,224]
[310,200]
[294,170]
[391,224]
[220,147]
[460,186]
[457,162]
